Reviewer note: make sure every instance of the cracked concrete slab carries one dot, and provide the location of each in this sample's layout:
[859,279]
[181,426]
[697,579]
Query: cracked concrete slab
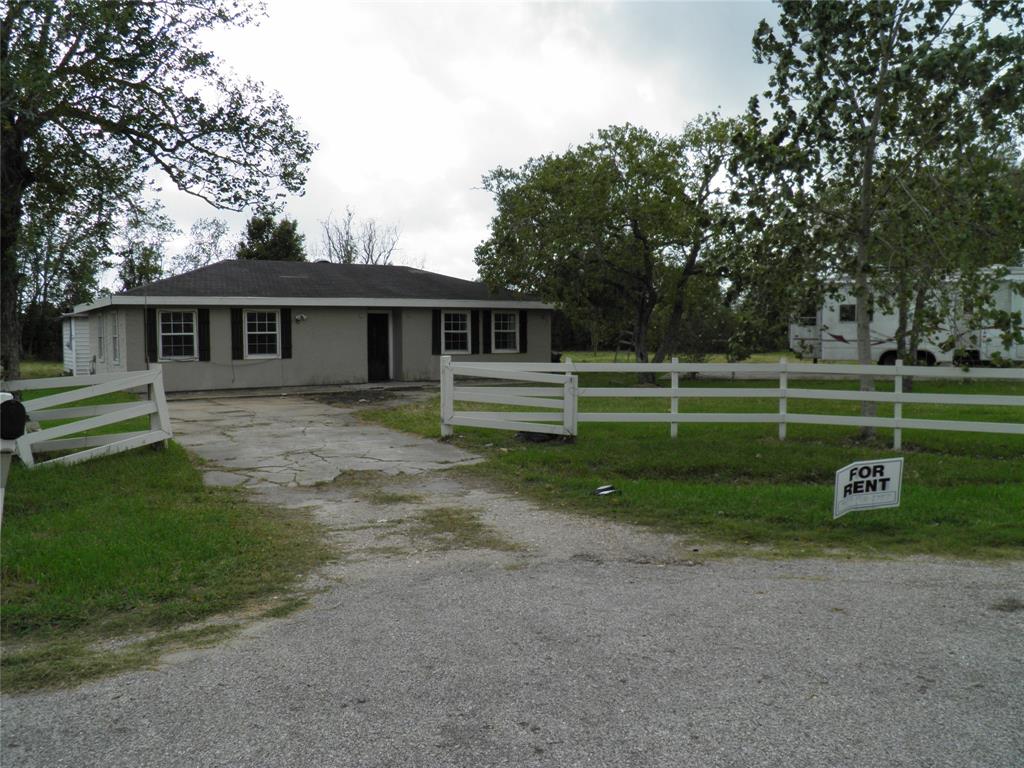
[305,442]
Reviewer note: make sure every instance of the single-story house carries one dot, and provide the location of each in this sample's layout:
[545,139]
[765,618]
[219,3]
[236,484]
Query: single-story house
[241,324]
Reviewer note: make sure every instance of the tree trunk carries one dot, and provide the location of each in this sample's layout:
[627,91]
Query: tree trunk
[868,409]
[671,334]
[15,178]
[914,336]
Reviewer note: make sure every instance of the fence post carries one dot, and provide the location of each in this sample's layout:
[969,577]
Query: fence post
[447,396]
[783,383]
[569,400]
[161,420]
[674,407]
[897,409]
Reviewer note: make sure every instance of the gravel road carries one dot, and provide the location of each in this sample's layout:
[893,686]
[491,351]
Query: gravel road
[519,636]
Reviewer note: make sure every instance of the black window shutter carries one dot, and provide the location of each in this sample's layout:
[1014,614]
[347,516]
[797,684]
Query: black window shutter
[522,330]
[474,331]
[237,351]
[151,348]
[286,333]
[204,334]
[487,331]
[436,333]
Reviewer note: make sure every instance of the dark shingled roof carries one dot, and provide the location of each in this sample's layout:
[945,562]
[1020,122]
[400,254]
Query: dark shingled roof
[321,280]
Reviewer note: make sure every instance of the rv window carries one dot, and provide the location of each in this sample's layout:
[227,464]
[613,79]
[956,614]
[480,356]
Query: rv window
[847,313]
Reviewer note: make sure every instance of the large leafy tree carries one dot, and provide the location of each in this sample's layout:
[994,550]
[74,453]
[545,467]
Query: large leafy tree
[612,229]
[96,93]
[944,230]
[63,251]
[267,239]
[859,90]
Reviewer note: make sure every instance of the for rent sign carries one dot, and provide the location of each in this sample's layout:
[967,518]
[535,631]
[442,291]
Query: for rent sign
[868,485]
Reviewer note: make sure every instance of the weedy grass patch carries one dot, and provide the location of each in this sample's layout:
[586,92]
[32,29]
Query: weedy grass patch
[738,485]
[128,545]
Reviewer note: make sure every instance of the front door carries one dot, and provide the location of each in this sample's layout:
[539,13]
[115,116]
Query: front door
[377,363]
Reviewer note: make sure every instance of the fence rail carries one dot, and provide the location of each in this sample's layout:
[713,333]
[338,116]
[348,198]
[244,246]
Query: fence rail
[84,418]
[559,411]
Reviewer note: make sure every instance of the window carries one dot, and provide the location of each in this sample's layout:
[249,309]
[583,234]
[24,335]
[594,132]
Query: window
[505,330]
[455,332]
[177,334]
[848,313]
[115,340]
[261,333]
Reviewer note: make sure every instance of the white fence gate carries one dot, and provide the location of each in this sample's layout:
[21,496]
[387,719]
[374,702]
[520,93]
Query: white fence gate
[561,397]
[89,417]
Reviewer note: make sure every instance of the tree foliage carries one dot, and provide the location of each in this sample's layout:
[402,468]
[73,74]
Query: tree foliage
[142,246]
[870,100]
[96,93]
[267,239]
[612,229]
[209,243]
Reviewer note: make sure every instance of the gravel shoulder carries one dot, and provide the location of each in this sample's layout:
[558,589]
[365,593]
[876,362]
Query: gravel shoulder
[461,626]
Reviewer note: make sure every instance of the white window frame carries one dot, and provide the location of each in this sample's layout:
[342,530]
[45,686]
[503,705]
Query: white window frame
[161,357]
[494,331]
[115,340]
[469,332]
[245,334]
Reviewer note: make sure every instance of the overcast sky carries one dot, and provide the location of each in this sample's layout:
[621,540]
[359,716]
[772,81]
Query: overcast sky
[411,104]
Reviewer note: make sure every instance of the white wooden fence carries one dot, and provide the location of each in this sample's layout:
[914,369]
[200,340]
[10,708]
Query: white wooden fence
[89,417]
[561,415]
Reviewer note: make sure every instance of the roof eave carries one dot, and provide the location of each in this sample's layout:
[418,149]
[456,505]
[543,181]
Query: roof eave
[299,301]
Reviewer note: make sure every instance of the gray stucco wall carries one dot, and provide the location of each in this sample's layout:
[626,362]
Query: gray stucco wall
[328,347]
[418,364]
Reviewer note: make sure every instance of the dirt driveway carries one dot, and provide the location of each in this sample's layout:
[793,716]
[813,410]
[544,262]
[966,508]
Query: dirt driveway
[463,627]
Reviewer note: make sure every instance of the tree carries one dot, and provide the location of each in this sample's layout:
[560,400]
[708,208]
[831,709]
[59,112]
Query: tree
[141,254]
[101,92]
[860,89]
[943,232]
[269,240]
[63,250]
[613,228]
[209,244]
[351,241]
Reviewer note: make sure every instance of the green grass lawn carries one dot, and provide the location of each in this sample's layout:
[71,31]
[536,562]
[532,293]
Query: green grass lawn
[132,546]
[41,369]
[738,487]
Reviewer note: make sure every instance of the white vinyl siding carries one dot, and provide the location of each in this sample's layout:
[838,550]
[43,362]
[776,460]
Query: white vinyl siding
[115,339]
[101,338]
[455,333]
[505,331]
[262,333]
[177,335]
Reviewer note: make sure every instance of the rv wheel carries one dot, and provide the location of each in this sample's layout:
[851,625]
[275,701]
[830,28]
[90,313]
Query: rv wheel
[889,358]
[925,358]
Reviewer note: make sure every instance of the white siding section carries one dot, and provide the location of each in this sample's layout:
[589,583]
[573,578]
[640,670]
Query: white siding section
[76,345]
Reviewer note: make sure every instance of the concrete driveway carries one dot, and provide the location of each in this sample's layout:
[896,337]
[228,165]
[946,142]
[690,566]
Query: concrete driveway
[463,627]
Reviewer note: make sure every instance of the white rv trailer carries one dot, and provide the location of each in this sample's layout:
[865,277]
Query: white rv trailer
[831,334]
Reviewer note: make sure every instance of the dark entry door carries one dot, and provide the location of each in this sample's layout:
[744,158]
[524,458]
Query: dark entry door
[377,362]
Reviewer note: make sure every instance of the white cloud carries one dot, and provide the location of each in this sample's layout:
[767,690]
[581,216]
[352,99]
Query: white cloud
[412,104]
